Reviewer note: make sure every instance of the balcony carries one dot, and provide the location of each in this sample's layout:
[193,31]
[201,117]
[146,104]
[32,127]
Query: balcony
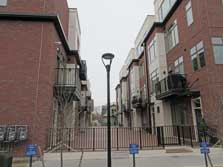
[172,85]
[67,84]
[90,105]
[136,102]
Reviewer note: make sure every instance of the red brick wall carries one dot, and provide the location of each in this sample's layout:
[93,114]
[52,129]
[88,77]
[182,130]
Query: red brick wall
[142,80]
[59,7]
[208,22]
[28,59]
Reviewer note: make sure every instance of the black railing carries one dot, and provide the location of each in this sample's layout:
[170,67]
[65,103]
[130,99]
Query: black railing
[93,139]
[66,77]
[136,102]
[174,84]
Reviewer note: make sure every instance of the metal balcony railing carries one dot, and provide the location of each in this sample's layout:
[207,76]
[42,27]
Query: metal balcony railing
[68,79]
[137,101]
[174,84]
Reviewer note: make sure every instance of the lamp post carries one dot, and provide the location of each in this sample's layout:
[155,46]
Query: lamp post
[107,61]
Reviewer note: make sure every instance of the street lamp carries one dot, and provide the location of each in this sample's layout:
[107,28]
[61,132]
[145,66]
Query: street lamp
[107,61]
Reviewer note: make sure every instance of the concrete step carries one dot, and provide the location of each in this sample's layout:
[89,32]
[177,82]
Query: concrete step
[21,161]
[120,155]
[19,165]
[178,149]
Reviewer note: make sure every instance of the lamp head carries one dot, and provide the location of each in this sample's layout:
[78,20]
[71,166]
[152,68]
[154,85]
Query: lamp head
[108,56]
[107,59]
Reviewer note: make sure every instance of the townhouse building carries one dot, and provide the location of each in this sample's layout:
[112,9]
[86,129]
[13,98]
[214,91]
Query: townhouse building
[183,52]
[137,81]
[113,112]
[123,106]
[41,70]
[189,88]
[87,104]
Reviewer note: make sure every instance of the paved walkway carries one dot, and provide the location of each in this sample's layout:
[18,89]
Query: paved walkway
[154,158]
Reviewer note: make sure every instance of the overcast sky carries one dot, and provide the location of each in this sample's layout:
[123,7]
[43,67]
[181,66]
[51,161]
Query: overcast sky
[108,26]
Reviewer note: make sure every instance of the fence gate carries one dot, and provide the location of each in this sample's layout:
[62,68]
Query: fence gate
[95,139]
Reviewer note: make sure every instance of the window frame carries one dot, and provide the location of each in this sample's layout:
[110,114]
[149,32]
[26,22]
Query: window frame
[161,14]
[178,64]
[189,13]
[3,3]
[154,78]
[195,53]
[152,49]
[217,44]
[172,36]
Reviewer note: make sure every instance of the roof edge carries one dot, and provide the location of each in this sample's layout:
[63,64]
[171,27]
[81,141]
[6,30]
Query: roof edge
[44,18]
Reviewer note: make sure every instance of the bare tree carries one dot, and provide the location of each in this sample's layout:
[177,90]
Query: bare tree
[64,91]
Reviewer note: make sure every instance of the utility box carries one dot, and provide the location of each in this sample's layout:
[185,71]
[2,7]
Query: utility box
[5,159]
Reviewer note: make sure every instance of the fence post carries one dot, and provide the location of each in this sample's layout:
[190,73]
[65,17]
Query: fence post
[163,138]
[158,136]
[178,135]
[69,138]
[50,139]
[183,135]
[93,139]
[117,140]
[191,139]
[140,138]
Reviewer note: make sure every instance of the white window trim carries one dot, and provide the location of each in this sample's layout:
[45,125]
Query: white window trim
[152,45]
[172,33]
[216,43]
[188,9]
[195,51]
[179,61]
[3,2]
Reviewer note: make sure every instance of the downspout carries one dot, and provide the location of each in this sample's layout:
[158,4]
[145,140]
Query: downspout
[129,101]
[122,124]
[147,87]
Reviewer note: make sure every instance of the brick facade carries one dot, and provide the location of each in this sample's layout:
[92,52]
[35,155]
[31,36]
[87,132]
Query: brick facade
[27,68]
[208,23]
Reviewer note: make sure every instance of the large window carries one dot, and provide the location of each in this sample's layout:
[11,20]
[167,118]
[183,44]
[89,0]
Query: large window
[198,56]
[165,8]
[154,78]
[152,51]
[172,37]
[217,43]
[179,66]
[189,13]
[3,2]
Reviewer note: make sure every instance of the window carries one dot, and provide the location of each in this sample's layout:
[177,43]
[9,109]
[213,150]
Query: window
[154,77]
[217,43]
[179,66]
[3,2]
[198,56]
[165,8]
[158,109]
[172,37]
[152,51]
[189,13]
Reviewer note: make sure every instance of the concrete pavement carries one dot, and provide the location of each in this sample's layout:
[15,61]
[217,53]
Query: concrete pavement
[152,158]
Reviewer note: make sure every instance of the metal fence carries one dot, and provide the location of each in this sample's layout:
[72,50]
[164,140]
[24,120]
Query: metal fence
[95,139]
